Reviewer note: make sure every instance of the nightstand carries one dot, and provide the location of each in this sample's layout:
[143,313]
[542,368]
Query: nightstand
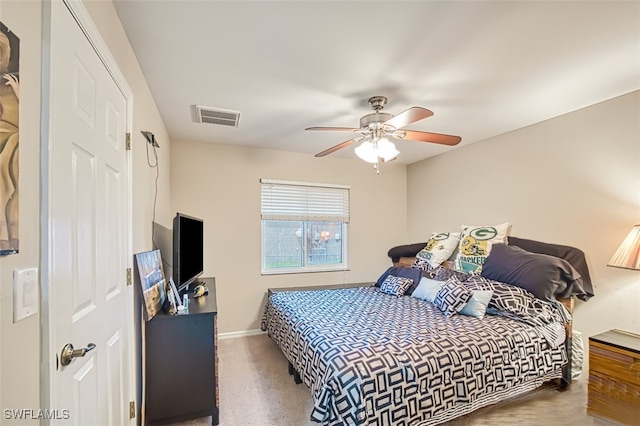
[614,377]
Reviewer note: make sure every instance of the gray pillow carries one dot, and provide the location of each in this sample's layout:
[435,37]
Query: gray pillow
[546,277]
[572,255]
[477,305]
[427,289]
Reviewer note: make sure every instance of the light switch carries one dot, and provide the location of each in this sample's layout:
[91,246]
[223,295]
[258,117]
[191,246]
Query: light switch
[25,293]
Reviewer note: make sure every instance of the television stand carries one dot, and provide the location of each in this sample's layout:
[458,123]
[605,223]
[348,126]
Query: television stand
[182,362]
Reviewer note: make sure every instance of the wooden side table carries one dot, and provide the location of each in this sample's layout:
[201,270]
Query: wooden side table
[614,377]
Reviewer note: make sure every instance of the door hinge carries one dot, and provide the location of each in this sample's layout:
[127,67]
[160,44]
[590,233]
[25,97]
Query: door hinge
[128,276]
[128,141]
[132,409]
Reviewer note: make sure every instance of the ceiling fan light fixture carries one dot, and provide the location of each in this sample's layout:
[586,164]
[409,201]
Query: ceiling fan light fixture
[372,152]
[367,152]
[387,150]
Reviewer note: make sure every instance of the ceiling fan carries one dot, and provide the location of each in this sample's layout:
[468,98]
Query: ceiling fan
[376,127]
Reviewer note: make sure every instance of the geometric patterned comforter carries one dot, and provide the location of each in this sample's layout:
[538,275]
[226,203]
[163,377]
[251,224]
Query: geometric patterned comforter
[370,358]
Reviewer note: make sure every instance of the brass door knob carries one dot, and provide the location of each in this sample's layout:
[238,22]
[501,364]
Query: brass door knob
[68,353]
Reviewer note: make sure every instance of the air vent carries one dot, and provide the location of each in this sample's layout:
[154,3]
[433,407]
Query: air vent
[217,116]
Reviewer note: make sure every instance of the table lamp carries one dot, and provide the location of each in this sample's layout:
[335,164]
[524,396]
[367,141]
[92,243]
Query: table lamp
[628,254]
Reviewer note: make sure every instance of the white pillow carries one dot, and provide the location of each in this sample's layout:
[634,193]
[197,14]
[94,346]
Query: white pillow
[475,245]
[439,248]
[427,289]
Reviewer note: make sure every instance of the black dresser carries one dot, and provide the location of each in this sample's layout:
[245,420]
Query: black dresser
[182,362]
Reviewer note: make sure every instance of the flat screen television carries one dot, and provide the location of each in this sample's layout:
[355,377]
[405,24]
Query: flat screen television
[188,250]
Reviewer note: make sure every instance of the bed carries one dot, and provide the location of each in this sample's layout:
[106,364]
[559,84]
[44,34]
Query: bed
[373,357]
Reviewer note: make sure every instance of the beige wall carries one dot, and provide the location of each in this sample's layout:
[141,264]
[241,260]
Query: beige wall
[221,184]
[20,342]
[572,180]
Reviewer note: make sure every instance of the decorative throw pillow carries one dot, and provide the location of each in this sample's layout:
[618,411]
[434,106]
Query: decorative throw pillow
[477,304]
[424,266]
[452,297]
[543,275]
[505,297]
[443,274]
[401,271]
[475,245]
[395,286]
[439,248]
[427,270]
[427,289]
[518,304]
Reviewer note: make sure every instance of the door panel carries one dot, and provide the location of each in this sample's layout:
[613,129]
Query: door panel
[112,222]
[83,165]
[115,359]
[85,395]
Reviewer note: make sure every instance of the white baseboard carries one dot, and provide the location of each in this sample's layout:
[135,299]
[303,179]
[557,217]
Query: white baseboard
[245,333]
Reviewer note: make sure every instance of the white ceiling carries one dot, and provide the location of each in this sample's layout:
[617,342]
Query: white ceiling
[483,67]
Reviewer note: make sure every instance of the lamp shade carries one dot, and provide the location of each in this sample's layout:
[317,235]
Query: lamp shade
[367,152]
[387,150]
[628,254]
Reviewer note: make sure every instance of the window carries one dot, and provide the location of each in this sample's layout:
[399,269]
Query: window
[304,227]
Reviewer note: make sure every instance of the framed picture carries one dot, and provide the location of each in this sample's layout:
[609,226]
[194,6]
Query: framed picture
[9,141]
[152,282]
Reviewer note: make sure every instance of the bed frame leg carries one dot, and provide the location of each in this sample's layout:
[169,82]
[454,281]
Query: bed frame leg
[296,376]
[565,381]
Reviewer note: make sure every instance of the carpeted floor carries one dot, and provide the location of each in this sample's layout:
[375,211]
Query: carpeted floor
[256,390]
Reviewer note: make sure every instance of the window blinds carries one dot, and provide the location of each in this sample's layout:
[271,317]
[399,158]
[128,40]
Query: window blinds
[283,200]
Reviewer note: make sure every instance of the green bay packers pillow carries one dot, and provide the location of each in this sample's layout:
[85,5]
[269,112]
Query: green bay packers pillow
[439,248]
[475,245]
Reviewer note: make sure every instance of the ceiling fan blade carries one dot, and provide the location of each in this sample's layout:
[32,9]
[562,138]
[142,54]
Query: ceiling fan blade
[335,129]
[408,116]
[337,147]
[439,138]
